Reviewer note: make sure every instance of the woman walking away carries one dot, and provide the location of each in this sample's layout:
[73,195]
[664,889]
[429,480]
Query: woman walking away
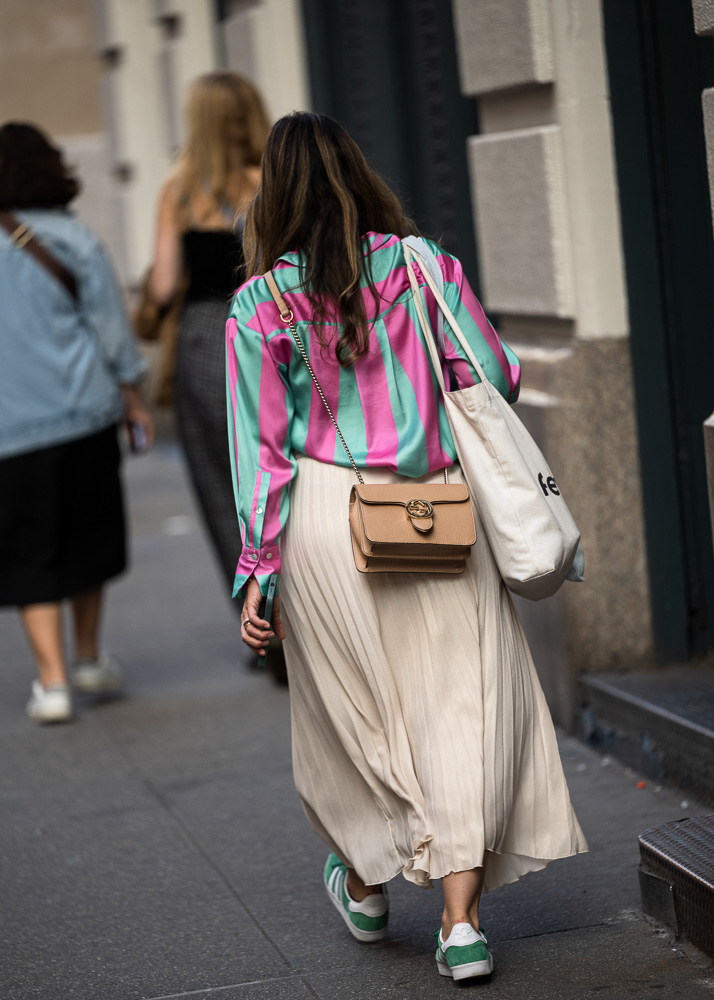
[422,743]
[199,240]
[70,372]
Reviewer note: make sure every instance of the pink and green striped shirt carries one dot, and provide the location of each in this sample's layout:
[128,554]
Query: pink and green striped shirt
[388,404]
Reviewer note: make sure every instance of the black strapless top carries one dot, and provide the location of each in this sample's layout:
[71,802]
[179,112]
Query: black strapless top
[214,258]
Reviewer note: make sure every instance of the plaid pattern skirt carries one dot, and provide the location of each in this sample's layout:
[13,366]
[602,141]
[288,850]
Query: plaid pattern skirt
[202,425]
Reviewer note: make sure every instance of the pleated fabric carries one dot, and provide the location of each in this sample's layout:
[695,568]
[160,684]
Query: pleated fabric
[421,736]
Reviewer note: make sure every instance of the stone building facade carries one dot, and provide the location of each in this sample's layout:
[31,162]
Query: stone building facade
[150,51]
[547,221]
[50,76]
[704,25]
[588,201]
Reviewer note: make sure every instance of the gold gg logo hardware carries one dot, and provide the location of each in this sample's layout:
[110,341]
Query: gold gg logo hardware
[419,508]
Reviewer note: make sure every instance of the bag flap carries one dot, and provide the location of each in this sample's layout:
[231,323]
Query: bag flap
[401,493]
[437,513]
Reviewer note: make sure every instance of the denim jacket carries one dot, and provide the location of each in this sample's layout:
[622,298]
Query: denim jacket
[61,361]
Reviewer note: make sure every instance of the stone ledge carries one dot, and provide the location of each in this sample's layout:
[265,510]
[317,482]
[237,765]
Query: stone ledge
[522,221]
[708,111]
[502,44]
[677,878]
[709,452]
[660,723]
[703,16]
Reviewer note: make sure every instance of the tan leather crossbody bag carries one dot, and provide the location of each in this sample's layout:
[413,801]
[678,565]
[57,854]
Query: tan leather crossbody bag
[399,527]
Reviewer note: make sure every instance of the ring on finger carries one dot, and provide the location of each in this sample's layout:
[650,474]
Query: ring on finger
[246,622]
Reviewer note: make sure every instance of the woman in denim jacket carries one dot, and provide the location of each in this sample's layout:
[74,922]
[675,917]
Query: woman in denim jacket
[69,374]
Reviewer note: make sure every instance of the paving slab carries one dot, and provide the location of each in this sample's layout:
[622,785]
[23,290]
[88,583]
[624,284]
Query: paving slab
[156,848]
[590,962]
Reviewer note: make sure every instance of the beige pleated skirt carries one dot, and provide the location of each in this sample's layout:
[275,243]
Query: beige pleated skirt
[421,736]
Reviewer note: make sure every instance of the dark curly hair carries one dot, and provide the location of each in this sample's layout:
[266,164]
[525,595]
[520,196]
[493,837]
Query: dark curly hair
[33,173]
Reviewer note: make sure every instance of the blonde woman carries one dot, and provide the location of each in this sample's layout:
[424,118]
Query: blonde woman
[199,241]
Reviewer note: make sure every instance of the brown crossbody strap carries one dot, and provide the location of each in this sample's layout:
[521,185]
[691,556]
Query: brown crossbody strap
[23,237]
[286,315]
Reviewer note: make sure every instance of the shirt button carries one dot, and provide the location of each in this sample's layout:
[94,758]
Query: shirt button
[254,555]
[258,510]
[269,555]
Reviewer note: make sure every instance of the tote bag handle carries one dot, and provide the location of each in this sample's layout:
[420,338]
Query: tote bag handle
[410,254]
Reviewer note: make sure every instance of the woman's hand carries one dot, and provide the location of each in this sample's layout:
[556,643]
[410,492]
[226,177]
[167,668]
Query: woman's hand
[258,631]
[138,420]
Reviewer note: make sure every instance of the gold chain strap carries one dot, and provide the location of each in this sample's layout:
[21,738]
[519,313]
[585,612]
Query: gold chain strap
[288,318]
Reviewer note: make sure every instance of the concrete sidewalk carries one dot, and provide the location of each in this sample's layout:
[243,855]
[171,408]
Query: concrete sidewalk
[157,849]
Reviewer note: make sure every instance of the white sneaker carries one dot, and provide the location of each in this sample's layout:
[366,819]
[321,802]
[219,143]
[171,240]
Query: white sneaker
[97,676]
[53,704]
[464,954]
[367,921]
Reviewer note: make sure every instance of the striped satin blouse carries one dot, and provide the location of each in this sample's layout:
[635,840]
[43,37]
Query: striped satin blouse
[388,404]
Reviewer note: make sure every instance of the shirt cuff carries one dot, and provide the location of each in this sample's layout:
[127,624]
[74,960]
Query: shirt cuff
[261,563]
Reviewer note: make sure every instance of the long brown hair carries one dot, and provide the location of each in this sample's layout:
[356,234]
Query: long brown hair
[318,194]
[226,128]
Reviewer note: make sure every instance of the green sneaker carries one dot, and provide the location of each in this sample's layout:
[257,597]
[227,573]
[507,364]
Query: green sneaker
[464,953]
[367,920]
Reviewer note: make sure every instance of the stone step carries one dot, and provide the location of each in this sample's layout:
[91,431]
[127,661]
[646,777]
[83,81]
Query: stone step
[660,723]
[676,876]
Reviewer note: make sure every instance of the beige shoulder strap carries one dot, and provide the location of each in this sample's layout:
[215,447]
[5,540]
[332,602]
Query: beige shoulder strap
[279,300]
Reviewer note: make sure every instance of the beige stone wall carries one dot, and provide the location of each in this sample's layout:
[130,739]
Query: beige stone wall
[520,204]
[50,74]
[704,25]
[264,41]
[49,71]
[151,50]
[503,44]
[548,231]
[708,111]
[703,16]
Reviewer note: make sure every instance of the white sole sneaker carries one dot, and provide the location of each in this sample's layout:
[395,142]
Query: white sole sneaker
[464,954]
[52,704]
[103,676]
[366,921]
[468,971]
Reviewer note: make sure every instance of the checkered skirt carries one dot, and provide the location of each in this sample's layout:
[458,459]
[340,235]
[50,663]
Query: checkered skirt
[202,426]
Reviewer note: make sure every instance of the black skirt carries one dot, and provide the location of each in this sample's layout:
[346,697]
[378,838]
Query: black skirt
[62,526]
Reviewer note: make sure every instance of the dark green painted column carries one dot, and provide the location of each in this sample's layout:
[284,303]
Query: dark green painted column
[387,69]
[657,69]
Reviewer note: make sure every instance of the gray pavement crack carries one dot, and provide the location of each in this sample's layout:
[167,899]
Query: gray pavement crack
[310,989]
[214,990]
[194,841]
[559,930]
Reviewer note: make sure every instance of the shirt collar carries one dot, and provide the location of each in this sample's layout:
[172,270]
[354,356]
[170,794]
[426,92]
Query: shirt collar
[374,240]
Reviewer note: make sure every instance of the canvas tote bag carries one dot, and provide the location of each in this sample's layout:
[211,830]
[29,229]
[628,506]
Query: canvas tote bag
[528,525]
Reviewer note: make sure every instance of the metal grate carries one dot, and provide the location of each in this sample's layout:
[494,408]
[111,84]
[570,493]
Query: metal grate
[681,854]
